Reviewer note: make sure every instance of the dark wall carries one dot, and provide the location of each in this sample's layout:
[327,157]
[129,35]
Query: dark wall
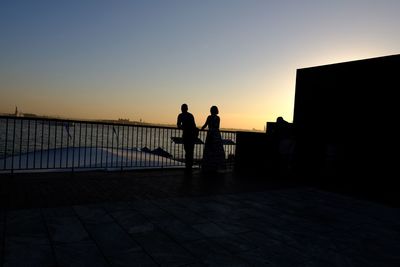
[345,116]
[252,151]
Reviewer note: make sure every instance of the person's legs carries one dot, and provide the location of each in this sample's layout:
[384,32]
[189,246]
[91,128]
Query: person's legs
[189,150]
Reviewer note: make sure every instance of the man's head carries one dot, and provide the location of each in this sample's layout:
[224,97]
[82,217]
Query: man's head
[184,108]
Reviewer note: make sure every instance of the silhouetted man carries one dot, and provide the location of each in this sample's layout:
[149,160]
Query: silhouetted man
[282,145]
[189,135]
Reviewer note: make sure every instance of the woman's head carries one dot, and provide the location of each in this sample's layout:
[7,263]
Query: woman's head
[214,110]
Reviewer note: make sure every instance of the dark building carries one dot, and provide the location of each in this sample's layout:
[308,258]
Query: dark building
[346,122]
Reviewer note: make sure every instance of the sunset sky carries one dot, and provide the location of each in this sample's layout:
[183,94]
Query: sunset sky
[97,59]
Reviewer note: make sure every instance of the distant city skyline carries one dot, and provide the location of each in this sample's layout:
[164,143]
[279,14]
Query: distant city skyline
[18,113]
[140,60]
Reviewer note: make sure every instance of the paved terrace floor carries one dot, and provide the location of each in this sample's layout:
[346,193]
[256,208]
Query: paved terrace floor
[164,218]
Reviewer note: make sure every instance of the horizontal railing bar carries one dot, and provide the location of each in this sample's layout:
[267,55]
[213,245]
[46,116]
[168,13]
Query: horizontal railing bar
[102,123]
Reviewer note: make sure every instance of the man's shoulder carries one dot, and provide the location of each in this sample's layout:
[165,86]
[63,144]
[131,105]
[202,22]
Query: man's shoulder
[188,115]
[185,116]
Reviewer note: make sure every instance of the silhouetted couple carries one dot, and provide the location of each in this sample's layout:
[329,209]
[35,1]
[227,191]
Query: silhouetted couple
[213,153]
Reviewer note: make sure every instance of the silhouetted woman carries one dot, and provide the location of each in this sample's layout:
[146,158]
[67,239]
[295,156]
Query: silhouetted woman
[213,154]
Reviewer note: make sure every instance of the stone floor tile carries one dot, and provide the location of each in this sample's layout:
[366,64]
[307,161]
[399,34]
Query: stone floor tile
[256,258]
[376,262]
[27,254]
[112,206]
[312,244]
[111,239]
[197,264]
[164,250]
[212,254]
[378,245]
[329,263]
[216,211]
[132,221]
[278,252]
[179,231]
[232,200]
[278,233]
[79,254]
[233,227]
[93,214]
[66,230]
[244,213]
[58,212]
[210,230]
[359,260]
[261,224]
[183,214]
[207,213]
[234,243]
[131,258]
[259,205]
[195,204]
[151,211]
[261,240]
[26,226]
[329,259]
[345,242]
[284,257]
[296,224]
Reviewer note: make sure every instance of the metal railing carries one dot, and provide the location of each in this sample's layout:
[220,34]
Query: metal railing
[29,144]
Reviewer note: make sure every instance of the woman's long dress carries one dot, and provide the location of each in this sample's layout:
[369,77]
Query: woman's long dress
[213,154]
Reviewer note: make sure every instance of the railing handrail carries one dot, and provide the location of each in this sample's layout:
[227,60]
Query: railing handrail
[102,122]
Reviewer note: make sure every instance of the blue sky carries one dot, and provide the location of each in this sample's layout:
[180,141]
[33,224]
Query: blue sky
[96,59]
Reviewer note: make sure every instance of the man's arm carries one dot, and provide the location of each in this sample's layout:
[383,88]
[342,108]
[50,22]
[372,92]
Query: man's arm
[179,121]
